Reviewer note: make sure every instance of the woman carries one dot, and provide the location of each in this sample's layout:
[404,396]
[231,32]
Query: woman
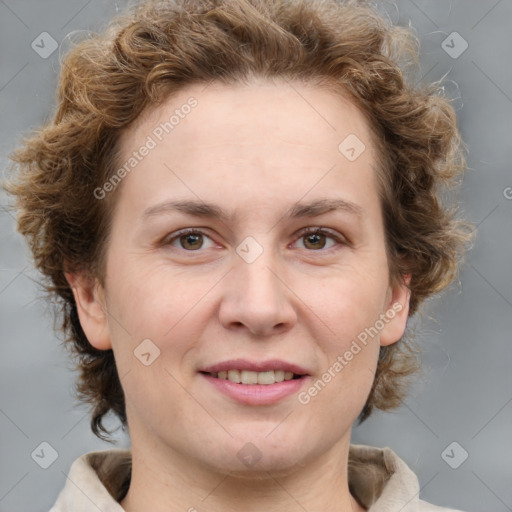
[237,205]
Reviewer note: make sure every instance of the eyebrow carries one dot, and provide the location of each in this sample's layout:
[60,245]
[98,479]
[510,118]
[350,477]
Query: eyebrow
[298,210]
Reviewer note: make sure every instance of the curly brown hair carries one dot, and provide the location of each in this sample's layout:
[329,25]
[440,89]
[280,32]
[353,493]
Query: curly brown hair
[158,48]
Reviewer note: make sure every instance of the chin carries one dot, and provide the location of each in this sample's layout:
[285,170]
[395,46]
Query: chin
[256,453]
[270,465]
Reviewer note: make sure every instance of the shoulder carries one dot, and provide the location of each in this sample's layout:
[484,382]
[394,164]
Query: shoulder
[95,481]
[383,482]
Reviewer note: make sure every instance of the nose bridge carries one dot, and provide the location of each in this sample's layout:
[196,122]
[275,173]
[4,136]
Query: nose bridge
[252,264]
[255,297]
[258,282]
[254,277]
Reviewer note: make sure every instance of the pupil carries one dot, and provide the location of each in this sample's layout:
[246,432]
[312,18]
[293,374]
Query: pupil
[191,241]
[315,239]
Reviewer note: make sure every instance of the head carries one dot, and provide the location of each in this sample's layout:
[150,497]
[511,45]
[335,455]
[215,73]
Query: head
[274,118]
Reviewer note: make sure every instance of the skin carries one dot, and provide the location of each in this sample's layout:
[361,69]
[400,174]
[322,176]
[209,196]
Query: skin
[254,150]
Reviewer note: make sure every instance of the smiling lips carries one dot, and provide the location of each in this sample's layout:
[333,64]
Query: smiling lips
[243,371]
[256,383]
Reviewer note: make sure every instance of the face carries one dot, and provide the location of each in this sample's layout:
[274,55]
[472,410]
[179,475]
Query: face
[246,244]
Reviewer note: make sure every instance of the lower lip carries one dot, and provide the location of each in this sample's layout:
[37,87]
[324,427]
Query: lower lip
[256,394]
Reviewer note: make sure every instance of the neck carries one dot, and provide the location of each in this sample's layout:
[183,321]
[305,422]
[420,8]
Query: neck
[166,480]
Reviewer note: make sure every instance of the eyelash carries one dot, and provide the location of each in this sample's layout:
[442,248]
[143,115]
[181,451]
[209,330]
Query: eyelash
[305,232]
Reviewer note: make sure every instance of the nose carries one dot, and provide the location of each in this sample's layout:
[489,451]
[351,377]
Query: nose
[256,299]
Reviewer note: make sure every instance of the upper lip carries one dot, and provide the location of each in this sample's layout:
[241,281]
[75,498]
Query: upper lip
[255,366]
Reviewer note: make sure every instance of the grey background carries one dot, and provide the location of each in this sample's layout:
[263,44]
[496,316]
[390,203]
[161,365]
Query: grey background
[465,392]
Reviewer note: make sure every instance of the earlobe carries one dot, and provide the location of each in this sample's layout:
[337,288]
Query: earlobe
[90,302]
[396,313]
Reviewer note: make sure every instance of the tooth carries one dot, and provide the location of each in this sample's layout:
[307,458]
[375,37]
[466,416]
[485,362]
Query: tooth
[248,377]
[266,377]
[234,376]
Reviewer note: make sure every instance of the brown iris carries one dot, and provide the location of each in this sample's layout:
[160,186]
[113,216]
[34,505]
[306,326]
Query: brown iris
[191,241]
[316,240]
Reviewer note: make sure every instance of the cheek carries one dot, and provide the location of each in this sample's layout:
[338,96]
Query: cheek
[168,310]
[350,357]
[157,303]
[347,302]
[348,307]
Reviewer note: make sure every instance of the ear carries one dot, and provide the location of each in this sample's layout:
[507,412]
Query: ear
[92,312]
[397,312]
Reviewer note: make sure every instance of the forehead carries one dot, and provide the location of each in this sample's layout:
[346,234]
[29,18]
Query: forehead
[261,112]
[217,139]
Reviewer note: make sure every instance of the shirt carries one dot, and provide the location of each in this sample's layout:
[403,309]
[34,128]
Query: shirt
[377,477]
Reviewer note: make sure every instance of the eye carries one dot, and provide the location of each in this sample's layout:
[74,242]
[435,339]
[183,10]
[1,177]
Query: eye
[191,239]
[194,239]
[317,239]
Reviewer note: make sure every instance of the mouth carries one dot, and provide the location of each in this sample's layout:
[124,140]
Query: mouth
[247,377]
[256,383]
